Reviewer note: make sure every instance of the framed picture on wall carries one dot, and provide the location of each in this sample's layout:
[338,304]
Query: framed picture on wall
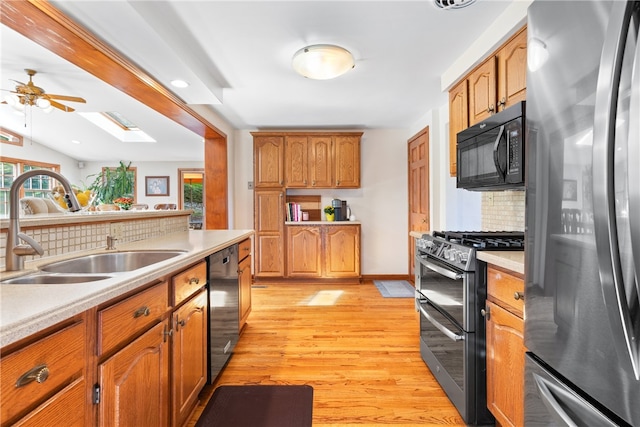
[570,189]
[156,186]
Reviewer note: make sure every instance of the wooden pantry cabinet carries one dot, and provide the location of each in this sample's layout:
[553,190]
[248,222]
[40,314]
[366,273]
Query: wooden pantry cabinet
[495,84]
[504,314]
[323,251]
[285,160]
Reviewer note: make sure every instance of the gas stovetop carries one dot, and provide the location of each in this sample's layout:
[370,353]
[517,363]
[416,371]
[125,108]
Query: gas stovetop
[458,248]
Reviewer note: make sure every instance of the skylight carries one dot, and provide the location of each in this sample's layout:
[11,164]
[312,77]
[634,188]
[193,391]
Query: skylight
[118,126]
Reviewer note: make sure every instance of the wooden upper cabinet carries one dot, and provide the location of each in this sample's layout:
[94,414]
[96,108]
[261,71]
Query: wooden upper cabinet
[512,71]
[482,91]
[458,120]
[347,161]
[321,161]
[268,161]
[497,83]
[296,161]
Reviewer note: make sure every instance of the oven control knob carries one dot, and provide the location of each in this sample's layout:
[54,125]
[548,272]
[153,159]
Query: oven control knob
[464,257]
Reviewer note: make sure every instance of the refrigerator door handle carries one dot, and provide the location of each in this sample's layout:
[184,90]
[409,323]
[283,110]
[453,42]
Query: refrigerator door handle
[633,173]
[555,398]
[619,314]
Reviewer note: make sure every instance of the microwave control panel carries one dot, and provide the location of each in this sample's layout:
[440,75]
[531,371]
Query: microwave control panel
[514,147]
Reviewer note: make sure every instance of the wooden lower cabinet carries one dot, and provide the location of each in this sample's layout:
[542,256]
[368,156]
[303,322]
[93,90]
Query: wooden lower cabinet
[505,347]
[189,356]
[45,378]
[134,382]
[245,282]
[323,251]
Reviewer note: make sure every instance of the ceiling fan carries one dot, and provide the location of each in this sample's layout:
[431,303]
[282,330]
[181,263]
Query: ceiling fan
[30,94]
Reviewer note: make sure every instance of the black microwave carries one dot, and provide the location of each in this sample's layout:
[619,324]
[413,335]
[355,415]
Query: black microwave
[490,154]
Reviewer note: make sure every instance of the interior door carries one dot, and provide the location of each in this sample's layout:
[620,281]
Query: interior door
[418,189]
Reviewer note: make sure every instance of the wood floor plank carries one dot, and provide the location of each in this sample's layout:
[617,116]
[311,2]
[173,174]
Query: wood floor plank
[361,355]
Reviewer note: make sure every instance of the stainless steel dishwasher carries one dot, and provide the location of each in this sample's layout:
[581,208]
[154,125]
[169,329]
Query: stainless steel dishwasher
[224,316]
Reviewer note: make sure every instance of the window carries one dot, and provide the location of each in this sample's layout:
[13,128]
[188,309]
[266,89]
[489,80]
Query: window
[37,186]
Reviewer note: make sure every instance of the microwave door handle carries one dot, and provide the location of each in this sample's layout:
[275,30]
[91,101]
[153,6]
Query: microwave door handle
[604,215]
[496,156]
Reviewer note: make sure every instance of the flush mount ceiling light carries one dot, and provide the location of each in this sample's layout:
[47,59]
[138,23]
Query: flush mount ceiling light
[322,61]
[179,83]
[452,4]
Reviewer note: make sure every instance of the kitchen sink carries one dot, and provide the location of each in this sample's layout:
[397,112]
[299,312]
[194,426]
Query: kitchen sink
[52,279]
[110,262]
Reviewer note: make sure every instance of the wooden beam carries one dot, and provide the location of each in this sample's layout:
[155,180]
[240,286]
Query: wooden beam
[44,24]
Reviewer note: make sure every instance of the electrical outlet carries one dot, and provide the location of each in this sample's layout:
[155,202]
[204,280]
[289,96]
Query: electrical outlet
[250,186]
[115,229]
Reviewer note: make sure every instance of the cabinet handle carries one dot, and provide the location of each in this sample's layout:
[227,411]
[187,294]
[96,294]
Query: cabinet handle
[518,295]
[38,374]
[142,311]
[338,183]
[194,280]
[486,313]
[502,102]
[313,182]
[305,182]
[491,109]
[166,333]
[182,323]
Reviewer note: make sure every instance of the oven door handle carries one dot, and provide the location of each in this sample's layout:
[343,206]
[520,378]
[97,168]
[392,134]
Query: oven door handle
[453,275]
[450,334]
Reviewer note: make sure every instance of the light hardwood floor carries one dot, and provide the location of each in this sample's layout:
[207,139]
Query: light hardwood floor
[360,353]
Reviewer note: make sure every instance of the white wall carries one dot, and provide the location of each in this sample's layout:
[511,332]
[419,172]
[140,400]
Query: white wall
[144,169]
[39,153]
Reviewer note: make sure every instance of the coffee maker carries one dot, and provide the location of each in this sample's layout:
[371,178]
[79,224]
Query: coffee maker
[340,209]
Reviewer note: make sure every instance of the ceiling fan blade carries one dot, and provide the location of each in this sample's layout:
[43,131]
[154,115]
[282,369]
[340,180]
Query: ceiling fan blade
[62,107]
[64,98]
[20,83]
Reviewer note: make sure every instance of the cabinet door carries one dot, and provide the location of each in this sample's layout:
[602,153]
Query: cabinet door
[458,120]
[304,248]
[268,161]
[244,277]
[66,408]
[321,164]
[296,161]
[482,91]
[189,356]
[505,366]
[347,161]
[134,382]
[512,71]
[342,251]
[269,226]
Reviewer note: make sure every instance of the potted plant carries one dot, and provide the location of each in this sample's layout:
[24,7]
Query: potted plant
[111,184]
[329,213]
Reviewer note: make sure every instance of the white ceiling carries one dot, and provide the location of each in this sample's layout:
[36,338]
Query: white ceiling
[237,57]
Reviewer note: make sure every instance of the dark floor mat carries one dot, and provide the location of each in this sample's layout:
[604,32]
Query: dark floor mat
[259,406]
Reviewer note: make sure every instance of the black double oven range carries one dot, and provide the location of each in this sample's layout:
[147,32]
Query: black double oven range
[451,289]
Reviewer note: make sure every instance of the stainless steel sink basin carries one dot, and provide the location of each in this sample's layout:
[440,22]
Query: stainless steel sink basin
[110,262]
[52,279]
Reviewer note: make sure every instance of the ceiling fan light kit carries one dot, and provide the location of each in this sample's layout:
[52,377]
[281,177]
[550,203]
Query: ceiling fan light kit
[452,4]
[32,95]
[322,61]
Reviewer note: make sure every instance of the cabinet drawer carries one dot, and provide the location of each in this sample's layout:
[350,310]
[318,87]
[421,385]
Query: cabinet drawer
[62,353]
[506,289]
[125,319]
[67,408]
[189,282]
[244,249]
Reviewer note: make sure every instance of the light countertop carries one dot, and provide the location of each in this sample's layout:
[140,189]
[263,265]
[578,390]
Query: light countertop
[510,260]
[27,309]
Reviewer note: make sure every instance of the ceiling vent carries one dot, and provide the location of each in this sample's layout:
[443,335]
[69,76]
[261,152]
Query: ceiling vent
[452,4]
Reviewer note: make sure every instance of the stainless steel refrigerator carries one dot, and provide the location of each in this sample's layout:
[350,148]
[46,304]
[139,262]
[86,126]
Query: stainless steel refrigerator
[582,309]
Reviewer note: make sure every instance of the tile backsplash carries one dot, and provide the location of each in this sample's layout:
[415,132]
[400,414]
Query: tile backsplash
[503,210]
[61,239]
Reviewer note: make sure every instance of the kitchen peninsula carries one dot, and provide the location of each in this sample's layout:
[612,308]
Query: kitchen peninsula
[80,351]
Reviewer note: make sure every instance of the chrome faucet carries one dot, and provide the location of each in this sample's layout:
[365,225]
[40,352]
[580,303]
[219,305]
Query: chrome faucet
[16,251]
